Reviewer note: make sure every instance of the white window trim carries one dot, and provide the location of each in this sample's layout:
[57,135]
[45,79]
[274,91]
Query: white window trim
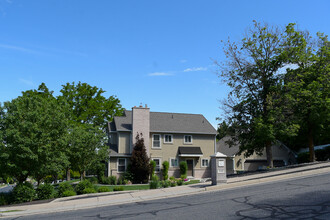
[160,163]
[174,159]
[171,139]
[118,165]
[207,163]
[184,139]
[160,141]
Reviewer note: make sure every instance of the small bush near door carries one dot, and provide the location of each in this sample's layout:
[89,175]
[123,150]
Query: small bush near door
[183,169]
[165,170]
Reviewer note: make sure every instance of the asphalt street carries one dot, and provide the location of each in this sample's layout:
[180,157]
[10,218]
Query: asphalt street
[301,198]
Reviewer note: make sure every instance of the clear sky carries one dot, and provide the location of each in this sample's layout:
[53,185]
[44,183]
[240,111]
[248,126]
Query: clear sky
[152,52]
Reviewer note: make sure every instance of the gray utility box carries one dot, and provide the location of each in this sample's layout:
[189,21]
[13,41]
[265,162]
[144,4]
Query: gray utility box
[218,168]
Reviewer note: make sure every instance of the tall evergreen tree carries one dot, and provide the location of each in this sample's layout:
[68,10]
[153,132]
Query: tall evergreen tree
[140,166]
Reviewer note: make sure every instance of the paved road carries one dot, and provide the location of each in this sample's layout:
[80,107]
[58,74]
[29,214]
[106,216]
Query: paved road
[303,198]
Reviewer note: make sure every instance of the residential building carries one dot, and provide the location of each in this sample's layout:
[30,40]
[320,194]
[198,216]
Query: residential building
[282,156]
[172,137]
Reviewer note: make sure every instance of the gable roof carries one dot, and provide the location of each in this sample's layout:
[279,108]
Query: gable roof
[224,148]
[167,122]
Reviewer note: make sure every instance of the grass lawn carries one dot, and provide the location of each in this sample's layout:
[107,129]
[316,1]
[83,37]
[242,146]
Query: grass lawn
[192,182]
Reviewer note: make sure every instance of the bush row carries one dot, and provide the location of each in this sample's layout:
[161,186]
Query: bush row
[172,182]
[25,192]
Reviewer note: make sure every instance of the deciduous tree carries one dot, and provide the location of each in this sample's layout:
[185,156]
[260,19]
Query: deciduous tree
[252,72]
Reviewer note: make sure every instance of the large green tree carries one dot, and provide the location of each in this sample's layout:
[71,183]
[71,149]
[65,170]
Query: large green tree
[89,111]
[88,105]
[34,129]
[307,85]
[87,147]
[251,70]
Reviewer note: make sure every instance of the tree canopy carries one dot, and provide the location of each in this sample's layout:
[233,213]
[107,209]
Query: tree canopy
[34,131]
[280,87]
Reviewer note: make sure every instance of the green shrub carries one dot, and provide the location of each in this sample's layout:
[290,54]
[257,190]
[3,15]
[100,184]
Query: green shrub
[104,180]
[103,189]
[118,188]
[128,175]
[183,169]
[48,179]
[152,168]
[45,191]
[165,169]
[154,183]
[24,192]
[63,187]
[113,180]
[172,178]
[83,185]
[93,180]
[173,183]
[120,181]
[179,182]
[68,193]
[89,190]
[165,183]
[6,198]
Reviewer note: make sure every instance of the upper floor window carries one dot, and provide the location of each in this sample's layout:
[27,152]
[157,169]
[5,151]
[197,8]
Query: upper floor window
[168,138]
[187,139]
[156,141]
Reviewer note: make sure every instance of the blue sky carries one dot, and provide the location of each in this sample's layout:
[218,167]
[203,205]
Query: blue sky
[152,52]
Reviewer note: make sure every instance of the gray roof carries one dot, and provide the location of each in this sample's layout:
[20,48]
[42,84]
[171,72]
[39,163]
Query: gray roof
[224,148]
[168,122]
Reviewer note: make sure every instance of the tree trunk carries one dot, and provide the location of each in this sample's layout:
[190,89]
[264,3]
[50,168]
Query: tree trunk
[311,145]
[68,175]
[269,154]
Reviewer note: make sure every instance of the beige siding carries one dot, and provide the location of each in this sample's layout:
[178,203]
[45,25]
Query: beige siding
[279,153]
[124,139]
[170,150]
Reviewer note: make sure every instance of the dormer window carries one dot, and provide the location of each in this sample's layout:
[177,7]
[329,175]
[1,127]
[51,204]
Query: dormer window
[187,139]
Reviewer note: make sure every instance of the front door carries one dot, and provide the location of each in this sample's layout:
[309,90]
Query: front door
[190,164]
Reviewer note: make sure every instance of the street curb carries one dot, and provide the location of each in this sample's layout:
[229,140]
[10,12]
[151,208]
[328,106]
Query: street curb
[125,197]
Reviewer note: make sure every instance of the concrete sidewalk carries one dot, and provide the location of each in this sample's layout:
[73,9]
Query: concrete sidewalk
[115,198]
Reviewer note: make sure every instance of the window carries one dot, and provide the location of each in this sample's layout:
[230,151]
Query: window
[174,162]
[187,139]
[157,160]
[205,162]
[121,165]
[156,141]
[168,138]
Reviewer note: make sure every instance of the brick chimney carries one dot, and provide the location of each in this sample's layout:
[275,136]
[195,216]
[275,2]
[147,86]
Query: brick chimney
[141,124]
